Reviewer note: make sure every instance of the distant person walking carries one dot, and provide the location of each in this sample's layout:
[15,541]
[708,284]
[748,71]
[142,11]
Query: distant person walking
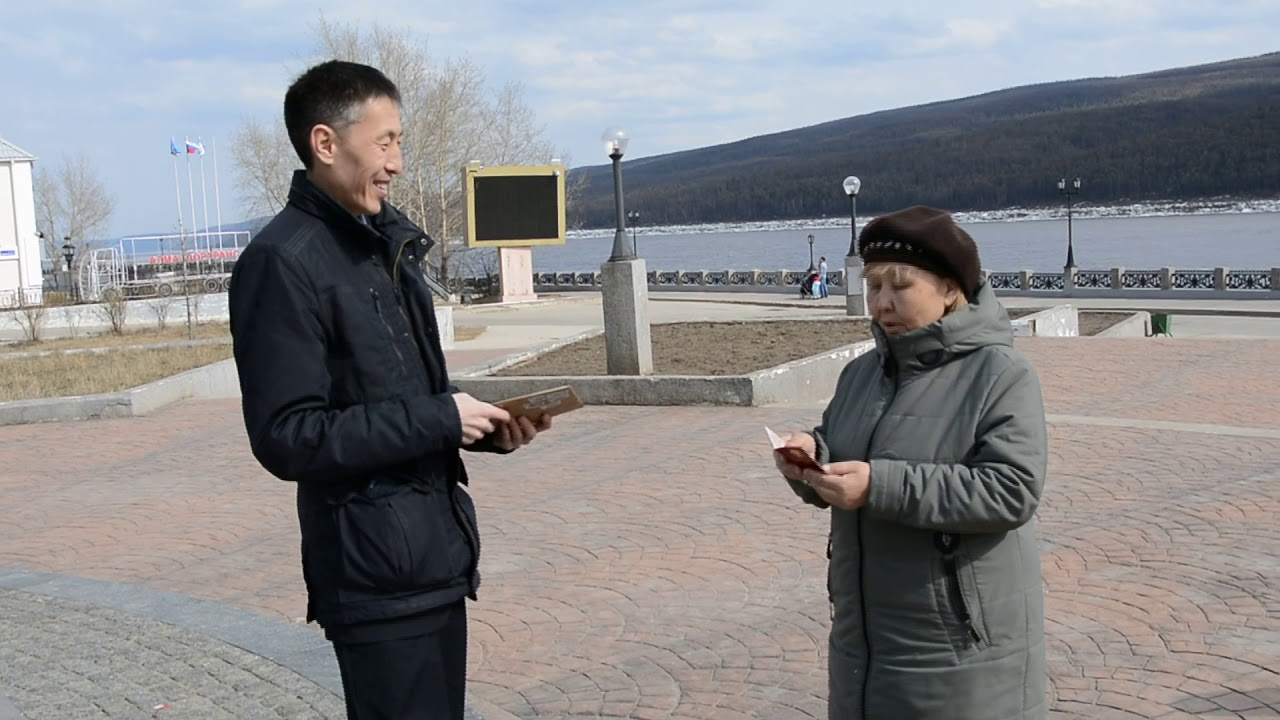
[823,291]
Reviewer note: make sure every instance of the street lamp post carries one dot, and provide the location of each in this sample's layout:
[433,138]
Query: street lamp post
[1069,189]
[53,263]
[633,220]
[615,143]
[625,284]
[851,187]
[855,287]
[812,267]
[69,252]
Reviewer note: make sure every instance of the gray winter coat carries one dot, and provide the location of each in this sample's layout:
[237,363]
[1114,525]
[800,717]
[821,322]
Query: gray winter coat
[936,586]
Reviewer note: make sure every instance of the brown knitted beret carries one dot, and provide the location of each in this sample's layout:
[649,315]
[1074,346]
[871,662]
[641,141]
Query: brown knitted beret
[926,238]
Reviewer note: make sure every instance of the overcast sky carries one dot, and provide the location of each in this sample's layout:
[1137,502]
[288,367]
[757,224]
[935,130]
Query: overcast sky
[117,78]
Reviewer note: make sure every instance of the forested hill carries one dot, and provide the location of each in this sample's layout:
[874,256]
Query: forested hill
[1203,131]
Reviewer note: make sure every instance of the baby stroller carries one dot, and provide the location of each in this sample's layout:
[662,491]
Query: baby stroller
[809,286]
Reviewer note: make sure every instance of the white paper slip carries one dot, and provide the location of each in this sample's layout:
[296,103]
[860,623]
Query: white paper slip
[774,438]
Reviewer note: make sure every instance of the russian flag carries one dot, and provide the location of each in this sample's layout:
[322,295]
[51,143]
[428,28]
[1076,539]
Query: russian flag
[195,148]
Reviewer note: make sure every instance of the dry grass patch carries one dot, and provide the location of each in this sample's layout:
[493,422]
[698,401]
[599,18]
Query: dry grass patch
[462,333]
[175,332]
[64,375]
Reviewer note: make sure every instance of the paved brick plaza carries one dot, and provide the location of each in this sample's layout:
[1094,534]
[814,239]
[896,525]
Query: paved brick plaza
[648,562]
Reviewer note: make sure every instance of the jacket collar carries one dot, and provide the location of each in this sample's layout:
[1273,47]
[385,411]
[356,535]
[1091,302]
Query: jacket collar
[981,323]
[390,229]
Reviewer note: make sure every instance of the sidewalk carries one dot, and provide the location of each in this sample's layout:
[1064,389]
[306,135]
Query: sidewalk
[646,562]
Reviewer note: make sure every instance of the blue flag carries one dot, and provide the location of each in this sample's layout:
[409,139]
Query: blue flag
[173,148]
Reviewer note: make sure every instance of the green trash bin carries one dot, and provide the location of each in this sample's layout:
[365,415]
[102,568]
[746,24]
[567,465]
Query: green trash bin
[1161,324]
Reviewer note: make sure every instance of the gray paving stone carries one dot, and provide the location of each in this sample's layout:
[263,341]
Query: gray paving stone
[67,659]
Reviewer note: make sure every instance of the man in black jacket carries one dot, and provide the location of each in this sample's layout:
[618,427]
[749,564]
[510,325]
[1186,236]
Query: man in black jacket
[345,392]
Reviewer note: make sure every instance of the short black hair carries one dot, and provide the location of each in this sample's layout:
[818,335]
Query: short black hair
[330,94]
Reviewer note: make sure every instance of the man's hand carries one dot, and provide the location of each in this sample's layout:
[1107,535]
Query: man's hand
[802,440]
[478,418]
[846,485]
[520,431]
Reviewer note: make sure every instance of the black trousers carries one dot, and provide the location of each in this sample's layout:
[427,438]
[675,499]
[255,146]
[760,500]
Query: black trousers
[414,678]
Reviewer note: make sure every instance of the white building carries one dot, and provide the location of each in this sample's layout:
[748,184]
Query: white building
[20,277]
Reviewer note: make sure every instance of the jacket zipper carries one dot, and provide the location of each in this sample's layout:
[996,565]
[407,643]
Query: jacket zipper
[472,534]
[395,286]
[955,596]
[377,309]
[862,553]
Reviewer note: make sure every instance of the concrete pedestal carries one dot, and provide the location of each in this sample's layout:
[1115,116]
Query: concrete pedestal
[515,274]
[628,350]
[855,287]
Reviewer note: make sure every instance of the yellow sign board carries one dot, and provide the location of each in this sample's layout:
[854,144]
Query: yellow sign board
[515,205]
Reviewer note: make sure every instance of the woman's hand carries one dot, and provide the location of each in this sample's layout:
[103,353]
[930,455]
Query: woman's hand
[845,485]
[805,442]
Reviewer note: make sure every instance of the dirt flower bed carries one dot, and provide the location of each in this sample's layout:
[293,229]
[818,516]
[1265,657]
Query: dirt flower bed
[709,348]
[1092,323]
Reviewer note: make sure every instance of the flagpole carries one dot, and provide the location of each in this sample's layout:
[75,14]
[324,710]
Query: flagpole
[217,197]
[186,286]
[177,189]
[204,198]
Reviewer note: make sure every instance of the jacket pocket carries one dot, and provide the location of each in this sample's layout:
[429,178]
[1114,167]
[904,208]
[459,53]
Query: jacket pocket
[961,592]
[409,541]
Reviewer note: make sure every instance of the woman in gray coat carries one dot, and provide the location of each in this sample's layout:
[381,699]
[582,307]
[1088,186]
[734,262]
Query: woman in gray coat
[933,451]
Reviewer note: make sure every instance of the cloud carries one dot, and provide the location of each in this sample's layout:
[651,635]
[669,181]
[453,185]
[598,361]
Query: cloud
[117,78]
[966,33]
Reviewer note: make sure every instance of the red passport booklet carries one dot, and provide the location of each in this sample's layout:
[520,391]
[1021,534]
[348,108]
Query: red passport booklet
[794,455]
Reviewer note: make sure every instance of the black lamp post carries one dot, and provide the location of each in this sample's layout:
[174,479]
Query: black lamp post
[1069,189]
[851,186]
[615,143]
[69,253]
[811,265]
[633,220]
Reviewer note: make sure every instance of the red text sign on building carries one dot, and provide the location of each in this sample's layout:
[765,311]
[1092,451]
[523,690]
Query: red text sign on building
[195,256]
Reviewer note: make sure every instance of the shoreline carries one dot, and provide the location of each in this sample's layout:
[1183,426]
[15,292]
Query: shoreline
[1079,211]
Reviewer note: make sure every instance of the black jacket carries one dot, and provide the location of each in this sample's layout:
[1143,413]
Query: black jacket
[345,392]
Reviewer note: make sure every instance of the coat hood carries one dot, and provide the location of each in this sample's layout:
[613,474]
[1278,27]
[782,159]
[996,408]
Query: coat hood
[983,322]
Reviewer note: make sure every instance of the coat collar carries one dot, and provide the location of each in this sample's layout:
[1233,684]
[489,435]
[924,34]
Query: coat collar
[390,229]
[981,323]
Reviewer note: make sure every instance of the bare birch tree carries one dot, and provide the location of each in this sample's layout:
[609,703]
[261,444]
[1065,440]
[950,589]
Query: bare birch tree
[450,118]
[72,201]
[265,160]
[514,135]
